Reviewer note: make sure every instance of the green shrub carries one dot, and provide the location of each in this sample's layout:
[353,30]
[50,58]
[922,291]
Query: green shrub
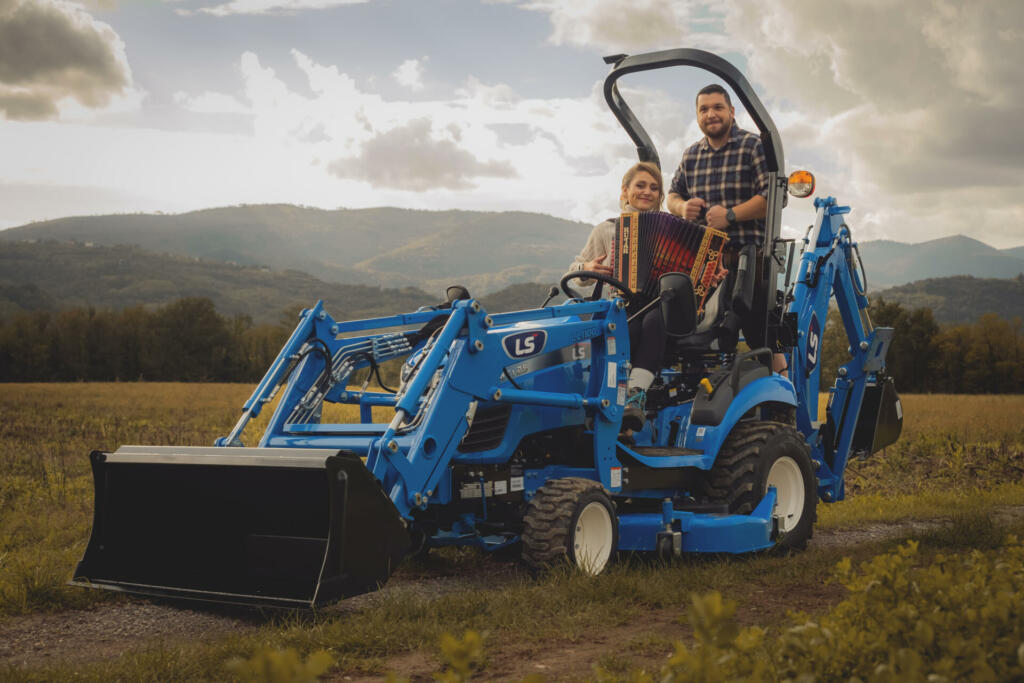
[957,618]
[281,666]
[462,656]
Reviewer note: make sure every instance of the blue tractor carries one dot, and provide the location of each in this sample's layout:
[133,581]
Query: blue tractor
[505,428]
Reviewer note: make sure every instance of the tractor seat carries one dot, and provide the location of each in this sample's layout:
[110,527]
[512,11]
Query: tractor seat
[718,331]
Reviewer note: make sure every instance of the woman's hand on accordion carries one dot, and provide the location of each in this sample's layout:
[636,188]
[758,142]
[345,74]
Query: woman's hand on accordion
[598,266]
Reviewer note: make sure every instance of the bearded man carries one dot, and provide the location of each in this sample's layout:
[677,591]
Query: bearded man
[723,178]
[722,181]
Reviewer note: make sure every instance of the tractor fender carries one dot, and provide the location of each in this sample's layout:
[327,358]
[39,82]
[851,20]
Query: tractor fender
[724,389]
[708,438]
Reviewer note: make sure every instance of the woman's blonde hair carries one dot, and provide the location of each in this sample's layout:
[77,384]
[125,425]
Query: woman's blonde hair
[647,167]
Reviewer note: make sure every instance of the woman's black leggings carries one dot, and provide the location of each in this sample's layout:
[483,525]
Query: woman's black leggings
[647,340]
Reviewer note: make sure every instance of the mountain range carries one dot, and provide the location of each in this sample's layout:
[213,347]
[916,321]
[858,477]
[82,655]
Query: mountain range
[52,276]
[395,248]
[264,260]
[889,263]
[376,247]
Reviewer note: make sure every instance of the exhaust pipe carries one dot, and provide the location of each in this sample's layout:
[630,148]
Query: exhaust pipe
[281,527]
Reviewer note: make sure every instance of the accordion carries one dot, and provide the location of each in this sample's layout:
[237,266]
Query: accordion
[650,244]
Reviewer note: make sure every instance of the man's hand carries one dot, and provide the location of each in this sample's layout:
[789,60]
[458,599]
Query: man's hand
[598,266]
[684,208]
[692,208]
[716,217]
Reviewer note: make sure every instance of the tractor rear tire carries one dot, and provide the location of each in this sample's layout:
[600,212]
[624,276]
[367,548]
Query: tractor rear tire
[570,519]
[757,454]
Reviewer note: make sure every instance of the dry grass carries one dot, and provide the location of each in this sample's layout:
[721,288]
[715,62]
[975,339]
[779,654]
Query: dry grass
[957,453]
[952,447]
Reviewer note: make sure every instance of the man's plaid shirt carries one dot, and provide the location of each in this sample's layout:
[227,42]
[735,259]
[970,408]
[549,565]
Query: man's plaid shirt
[728,176]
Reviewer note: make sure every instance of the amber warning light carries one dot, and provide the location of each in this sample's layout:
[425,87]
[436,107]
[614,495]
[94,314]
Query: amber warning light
[801,183]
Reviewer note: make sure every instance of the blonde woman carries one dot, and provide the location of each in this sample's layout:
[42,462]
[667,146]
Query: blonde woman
[642,190]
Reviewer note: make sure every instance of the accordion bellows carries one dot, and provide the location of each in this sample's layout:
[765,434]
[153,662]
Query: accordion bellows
[650,244]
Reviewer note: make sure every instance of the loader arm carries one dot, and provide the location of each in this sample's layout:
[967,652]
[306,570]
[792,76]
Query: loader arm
[465,367]
[829,268]
[461,365]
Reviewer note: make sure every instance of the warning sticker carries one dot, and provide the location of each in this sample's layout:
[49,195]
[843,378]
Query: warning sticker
[516,484]
[500,487]
[611,346]
[613,370]
[616,477]
[620,398]
[472,490]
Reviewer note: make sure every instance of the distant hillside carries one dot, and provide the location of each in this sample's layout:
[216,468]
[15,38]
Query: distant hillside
[396,248]
[486,251]
[961,299]
[54,276]
[894,263]
[385,246]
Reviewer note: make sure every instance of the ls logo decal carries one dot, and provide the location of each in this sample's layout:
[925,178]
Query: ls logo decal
[813,343]
[525,344]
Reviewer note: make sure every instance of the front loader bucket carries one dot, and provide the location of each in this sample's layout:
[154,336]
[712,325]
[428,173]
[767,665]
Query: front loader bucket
[263,526]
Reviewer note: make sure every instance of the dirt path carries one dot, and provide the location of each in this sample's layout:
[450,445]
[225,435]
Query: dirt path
[108,630]
[645,643]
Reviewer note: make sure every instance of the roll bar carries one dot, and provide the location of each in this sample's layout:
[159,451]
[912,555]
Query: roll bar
[627,64]
[772,143]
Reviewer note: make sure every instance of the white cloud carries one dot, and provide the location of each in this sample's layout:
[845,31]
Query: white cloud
[909,111]
[268,6]
[53,54]
[335,143]
[921,101]
[211,103]
[616,24]
[410,73]
[413,157]
[98,4]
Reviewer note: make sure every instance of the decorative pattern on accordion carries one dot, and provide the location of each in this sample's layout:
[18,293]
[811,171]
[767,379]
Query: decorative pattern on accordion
[648,245]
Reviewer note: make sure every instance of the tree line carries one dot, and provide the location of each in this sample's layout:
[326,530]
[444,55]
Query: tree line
[184,341]
[983,357]
[189,341]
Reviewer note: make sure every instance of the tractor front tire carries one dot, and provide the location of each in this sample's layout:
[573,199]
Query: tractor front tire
[759,454]
[570,519]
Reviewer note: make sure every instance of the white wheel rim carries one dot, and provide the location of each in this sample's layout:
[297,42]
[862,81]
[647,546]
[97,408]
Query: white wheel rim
[592,538]
[788,481]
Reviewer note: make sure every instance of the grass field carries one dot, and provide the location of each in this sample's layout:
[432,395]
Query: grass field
[959,459]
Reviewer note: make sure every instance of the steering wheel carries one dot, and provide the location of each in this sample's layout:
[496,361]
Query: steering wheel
[600,277]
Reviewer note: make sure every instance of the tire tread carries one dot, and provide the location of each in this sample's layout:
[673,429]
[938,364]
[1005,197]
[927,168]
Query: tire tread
[546,523]
[735,475]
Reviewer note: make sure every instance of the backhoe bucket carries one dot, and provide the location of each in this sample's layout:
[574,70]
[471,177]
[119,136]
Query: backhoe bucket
[881,418]
[263,526]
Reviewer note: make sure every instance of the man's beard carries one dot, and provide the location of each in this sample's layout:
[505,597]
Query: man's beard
[723,133]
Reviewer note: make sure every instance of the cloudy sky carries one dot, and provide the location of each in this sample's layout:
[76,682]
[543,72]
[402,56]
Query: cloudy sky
[911,112]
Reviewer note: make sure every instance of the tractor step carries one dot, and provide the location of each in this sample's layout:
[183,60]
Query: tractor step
[260,526]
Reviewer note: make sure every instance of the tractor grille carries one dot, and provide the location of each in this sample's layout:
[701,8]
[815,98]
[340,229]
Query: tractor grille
[487,431]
